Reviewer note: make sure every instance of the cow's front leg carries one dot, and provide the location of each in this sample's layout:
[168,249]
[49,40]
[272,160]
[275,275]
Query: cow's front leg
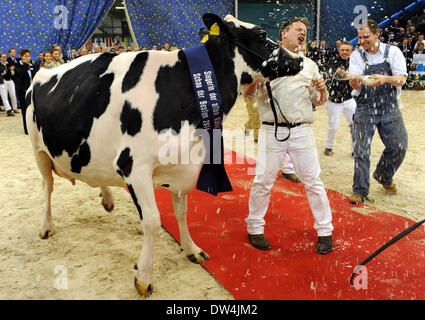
[142,192]
[194,253]
[107,198]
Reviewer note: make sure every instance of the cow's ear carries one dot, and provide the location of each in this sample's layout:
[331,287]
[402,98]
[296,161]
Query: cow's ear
[211,19]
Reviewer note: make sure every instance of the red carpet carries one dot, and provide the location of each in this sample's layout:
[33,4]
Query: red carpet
[292,269]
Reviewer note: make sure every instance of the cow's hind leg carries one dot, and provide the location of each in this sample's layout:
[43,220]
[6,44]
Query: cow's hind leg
[194,253]
[107,198]
[142,192]
[45,166]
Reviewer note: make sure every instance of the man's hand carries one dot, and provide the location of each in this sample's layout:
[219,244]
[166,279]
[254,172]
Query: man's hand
[319,85]
[356,82]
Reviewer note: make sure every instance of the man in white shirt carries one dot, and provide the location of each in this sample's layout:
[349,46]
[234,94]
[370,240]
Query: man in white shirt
[377,108]
[289,130]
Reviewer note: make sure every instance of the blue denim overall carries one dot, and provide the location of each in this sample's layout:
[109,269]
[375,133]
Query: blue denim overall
[377,108]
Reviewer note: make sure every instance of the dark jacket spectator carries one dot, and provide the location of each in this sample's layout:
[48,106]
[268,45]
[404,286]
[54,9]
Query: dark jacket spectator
[24,73]
[313,52]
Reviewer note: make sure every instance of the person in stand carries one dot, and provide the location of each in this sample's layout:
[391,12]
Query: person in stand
[56,58]
[376,109]
[3,89]
[62,59]
[294,96]
[313,52]
[407,51]
[24,74]
[7,71]
[47,62]
[13,60]
[420,48]
[340,99]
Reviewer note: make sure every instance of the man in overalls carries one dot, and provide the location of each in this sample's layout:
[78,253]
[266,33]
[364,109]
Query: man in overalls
[377,108]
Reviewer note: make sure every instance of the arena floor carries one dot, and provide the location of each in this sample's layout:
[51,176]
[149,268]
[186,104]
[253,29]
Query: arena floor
[95,251]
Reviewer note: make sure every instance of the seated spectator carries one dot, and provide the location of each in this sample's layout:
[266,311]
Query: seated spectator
[82,52]
[419,41]
[166,46]
[47,62]
[395,26]
[120,49]
[97,48]
[391,37]
[129,49]
[383,34]
[411,32]
[402,20]
[61,59]
[154,47]
[56,58]
[406,48]
[421,26]
[398,38]
[420,49]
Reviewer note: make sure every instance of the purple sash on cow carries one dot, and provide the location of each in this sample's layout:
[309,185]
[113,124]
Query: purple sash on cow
[213,178]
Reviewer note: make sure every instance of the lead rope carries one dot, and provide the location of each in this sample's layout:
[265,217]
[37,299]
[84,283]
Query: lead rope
[385,246]
[272,99]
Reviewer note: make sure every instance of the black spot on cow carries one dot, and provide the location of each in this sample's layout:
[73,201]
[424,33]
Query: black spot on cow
[66,105]
[165,185]
[135,71]
[136,202]
[81,159]
[131,120]
[246,78]
[177,102]
[125,163]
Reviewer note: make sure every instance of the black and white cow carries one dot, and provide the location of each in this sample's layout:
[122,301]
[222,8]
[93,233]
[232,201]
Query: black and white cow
[99,119]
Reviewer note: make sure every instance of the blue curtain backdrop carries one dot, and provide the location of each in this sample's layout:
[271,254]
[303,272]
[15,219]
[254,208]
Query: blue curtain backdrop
[271,15]
[37,25]
[175,21]
[337,16]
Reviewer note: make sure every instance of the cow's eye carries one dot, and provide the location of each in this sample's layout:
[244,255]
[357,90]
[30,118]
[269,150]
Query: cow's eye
[262,35]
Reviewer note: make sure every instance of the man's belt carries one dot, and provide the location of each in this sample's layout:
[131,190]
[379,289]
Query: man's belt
[283,124]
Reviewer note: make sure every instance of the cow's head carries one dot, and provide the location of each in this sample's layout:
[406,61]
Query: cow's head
[264,57]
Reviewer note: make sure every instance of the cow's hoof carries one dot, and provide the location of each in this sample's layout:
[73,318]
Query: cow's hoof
[108,206]
[45,234]
[143,289]
[198,258]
